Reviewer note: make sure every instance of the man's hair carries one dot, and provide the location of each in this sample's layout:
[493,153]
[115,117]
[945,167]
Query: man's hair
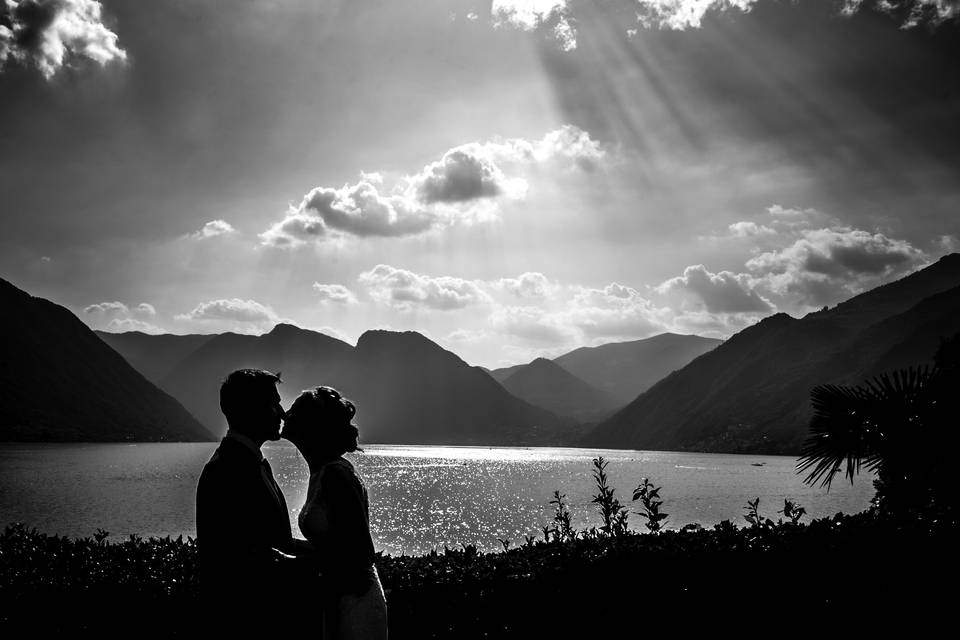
[243,388]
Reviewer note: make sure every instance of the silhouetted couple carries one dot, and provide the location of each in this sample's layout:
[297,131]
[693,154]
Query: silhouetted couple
[255,576]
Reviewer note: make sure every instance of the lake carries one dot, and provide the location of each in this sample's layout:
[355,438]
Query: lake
[421,497]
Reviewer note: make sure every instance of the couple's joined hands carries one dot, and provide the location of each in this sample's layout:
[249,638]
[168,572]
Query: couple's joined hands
[299,561]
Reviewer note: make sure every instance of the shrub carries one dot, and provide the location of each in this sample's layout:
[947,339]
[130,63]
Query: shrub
[613,514]
[649,497]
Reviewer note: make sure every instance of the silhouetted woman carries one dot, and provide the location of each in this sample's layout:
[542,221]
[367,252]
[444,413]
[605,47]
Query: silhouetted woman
[335,517]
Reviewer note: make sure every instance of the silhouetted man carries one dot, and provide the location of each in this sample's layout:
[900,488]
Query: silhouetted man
[249,560]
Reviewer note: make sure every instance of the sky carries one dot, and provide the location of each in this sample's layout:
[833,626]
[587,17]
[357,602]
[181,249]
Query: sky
[511,179]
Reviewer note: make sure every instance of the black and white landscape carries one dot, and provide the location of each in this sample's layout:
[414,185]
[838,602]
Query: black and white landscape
[749,393]
[646,312]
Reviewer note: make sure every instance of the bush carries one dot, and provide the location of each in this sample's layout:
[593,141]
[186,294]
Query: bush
[562,587]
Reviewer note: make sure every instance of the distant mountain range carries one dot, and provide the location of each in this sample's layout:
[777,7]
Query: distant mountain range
[627,369]
[407,389]
[546,384]
[60,382]
[591,382]
[155,356]
[751,394]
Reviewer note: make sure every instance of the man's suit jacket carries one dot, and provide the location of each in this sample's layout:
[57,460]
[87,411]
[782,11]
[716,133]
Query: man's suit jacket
[240,517]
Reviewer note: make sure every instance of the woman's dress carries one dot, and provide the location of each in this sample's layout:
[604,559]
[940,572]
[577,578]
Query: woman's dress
[335,518]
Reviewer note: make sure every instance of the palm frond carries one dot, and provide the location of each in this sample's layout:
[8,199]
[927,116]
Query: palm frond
[855,428]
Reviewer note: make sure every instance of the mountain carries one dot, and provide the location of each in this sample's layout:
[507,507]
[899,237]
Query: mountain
[626,369]
[751,394]
[408,390]
[304,358]
[546,384]
[153,355]
[60,382]
[505,372]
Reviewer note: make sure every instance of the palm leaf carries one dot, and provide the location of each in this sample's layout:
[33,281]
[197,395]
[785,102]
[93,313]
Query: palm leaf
[860,427]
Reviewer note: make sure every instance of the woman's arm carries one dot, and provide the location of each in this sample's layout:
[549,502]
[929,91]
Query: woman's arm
[349,546]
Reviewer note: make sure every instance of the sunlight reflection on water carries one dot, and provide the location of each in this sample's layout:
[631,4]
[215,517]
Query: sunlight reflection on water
[421,498]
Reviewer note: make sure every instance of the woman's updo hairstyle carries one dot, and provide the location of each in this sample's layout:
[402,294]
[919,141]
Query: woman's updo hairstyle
[334,415]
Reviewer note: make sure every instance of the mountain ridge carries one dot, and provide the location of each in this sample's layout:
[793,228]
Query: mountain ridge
[751,394]
[60,382]
[546,384]
[408,389]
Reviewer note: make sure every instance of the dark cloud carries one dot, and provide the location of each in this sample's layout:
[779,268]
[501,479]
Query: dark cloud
[358,209]
[825,266]
[442,193]
[458,177]
[723,292]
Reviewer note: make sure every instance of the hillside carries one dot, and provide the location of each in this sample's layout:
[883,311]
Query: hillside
[751,394]
[60,382]
[153,355]
[408,389]
[505,372]
[546,384]
[304,358]
[627,369]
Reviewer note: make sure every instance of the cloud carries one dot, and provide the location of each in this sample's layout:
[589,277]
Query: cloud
[233,310]
[746,229]
[466,336]
[723,292]
[358,210]
[712,325]
[531,15]
[461,175]
[107,309]
[213,229]
[682,14]
[334,293]
[525,14]
[627,322]
[121,325]
[46,34]
[532,324]
[117,317]
[948,243]
[826,265]
[531,284]
[407,290]
[779,211]
[911,12]
[462,187]
[579,315]
[558,18]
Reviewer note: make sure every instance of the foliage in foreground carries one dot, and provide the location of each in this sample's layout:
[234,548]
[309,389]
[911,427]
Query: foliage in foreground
[770,567]
[901,425]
